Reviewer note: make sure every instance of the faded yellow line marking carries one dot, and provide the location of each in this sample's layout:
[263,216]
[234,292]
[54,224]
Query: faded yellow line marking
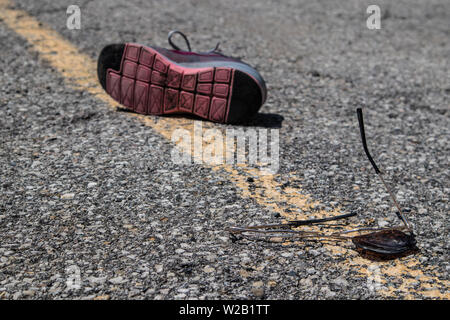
[400,278]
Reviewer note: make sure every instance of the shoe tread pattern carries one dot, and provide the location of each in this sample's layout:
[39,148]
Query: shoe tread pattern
[148,83]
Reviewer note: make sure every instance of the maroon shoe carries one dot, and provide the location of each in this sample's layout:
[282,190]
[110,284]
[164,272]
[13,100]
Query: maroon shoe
[153,80]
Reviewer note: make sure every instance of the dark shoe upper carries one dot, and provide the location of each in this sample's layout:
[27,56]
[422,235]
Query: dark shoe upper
[211,58]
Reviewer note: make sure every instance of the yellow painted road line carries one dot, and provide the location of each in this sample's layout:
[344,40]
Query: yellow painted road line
[399,278]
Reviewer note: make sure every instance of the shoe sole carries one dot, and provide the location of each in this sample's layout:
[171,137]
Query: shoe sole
[145,81]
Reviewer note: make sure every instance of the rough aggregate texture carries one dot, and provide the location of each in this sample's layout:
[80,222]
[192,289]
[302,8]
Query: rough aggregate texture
[87,190]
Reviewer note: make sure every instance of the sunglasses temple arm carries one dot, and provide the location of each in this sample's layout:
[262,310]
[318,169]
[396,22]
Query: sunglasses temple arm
[400,215]
[290,233]
[378,172]
[363,138]
[297,223]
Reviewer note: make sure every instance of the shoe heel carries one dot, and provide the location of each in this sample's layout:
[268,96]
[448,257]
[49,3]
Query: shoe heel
[246,98]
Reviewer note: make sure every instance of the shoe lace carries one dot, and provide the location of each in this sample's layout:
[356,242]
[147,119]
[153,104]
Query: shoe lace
[173,32]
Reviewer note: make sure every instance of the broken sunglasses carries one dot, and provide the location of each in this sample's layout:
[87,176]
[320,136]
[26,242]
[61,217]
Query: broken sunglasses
[373,243]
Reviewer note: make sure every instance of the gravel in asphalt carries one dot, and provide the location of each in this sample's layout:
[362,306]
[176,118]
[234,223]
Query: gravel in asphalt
[89,193]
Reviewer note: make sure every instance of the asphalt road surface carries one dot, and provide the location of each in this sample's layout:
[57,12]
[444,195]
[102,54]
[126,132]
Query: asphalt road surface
[93,207]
